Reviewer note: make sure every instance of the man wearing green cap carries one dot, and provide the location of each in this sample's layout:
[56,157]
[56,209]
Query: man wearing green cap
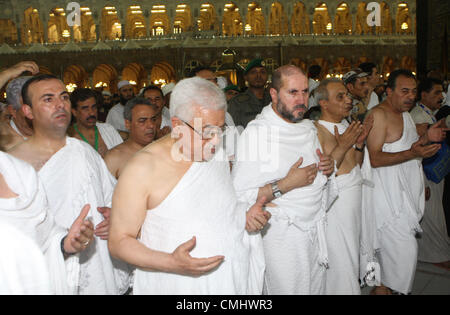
[245,106]
[231,91]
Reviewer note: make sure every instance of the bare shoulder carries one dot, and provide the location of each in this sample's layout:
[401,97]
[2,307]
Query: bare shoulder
[115,152]
[378,112]
[143,163]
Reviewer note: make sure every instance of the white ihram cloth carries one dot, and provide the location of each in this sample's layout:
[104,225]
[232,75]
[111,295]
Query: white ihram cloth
[294,241]
[373,101]
[109,135]
[115,117]
[393,205]
[165,118]
[29,213]
[23,270]
[434,243]
[203,204]
[344,229]
[74,176]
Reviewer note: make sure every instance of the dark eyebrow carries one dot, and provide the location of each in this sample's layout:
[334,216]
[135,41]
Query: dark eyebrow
[45,95]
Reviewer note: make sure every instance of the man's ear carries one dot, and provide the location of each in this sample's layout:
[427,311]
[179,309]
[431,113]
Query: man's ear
[323,104]
[28,112]
[12,111]
[127,124]
[74,112]
[274,95]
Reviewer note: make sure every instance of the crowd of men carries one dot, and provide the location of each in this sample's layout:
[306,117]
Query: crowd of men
[294,186]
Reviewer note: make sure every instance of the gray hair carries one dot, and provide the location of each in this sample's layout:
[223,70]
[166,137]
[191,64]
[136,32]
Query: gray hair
[133,103]
[321,92]
[192,92]
[14,91]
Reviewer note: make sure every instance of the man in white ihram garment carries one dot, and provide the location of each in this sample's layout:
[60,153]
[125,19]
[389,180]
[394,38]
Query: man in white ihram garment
[175,215]
[290,170]
[345,143]
[434,243]
[101,136]
[73,175]
[115,114]
[23,204]
[394,204]
[17,275]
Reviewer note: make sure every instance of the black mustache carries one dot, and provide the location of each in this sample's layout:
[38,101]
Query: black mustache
[91,117]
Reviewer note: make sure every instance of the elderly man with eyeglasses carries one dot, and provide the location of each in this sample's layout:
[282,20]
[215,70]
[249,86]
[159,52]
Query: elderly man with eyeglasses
[175,213]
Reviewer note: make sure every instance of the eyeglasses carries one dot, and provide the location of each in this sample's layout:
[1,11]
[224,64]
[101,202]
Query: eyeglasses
[209,132]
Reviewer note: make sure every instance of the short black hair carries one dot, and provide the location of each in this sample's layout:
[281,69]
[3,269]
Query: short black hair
[314,71]
[80,95]
[152,87]
[367,67]
[426,85]
[41,77]
[127,113]
[196,70]
[392,80]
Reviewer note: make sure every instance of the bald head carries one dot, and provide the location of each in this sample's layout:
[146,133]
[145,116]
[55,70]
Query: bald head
[281,73]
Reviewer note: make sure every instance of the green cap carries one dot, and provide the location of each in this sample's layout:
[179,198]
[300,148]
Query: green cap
[254,63]
[232,87]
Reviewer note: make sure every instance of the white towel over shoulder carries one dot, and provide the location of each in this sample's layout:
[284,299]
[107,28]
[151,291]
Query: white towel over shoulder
[203,204]
[29,213]
[74,176]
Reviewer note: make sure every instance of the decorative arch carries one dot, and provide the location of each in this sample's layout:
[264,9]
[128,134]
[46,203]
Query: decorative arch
[207,19]
[111,28]
[58,30]
[408,63]
[321,20]
[361,26]
[75,75]
[8,31]
[341,66]
[256,24]
[343,19]
[278,21]
[136,74]
[403,19]
[87,31]
[104,77]
[183,19]
[232,22]
[32,29]
[386,20]
[300,19]
[387,66]
[135,25]
[162,73]
[159,21]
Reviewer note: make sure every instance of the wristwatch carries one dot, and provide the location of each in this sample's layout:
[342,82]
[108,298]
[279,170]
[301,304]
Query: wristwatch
[276,192]
[62,248]
[358,149]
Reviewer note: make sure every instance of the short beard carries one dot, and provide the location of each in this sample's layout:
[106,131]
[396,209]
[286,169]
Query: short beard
[283,111]
[123,100]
